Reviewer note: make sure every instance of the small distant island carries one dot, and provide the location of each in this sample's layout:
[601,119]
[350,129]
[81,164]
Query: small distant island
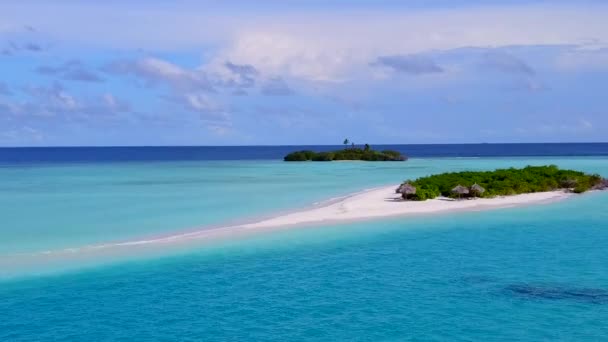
[351,152]
[501,182]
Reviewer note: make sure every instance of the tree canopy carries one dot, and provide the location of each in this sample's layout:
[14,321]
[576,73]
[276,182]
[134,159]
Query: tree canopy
[353,153]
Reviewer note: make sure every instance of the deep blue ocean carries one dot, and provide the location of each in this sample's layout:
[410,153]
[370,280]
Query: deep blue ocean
[519,274]
[184,153]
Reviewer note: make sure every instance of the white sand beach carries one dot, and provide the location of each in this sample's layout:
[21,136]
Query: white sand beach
[370,204]
[384,202]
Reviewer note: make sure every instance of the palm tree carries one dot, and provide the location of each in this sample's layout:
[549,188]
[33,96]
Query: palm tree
[346,142]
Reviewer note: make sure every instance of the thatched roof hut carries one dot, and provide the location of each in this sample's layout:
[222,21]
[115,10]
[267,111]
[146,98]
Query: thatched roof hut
[460,190]
[477,189]
[406,189]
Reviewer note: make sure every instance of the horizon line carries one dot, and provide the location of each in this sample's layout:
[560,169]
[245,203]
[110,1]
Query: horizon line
[296,145]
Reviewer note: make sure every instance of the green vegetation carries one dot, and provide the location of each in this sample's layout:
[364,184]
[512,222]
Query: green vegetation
[348,153]
[353,153]
[501,182]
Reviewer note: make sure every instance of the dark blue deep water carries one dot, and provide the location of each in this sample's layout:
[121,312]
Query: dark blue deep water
[174,153]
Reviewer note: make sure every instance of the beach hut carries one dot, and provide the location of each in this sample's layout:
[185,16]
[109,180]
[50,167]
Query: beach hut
[460,190]
[476,190]
[406,189]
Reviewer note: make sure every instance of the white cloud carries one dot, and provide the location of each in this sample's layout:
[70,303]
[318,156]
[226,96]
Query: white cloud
[276,53]
[49,101]
[208,109]
[56,103]
[506,62]
[113,104]
[154,70]
[336,47]
[314,45]
[276,87]
[200,102]
[228,74]
[160,68]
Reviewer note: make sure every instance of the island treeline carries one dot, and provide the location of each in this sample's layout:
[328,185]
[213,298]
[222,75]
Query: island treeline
[500,182]
[348,153]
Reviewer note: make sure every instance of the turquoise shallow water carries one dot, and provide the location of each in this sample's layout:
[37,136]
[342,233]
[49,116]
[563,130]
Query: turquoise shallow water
[46,207]
[535,273]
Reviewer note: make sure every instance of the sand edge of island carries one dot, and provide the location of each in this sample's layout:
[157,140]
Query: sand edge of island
[384,202]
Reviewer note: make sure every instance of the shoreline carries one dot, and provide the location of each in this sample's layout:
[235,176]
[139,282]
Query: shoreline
[375,203]
[383,202]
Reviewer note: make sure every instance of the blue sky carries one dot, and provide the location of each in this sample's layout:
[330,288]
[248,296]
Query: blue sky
[302,72]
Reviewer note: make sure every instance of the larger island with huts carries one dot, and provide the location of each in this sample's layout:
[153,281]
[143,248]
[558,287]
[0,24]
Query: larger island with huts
[501,182]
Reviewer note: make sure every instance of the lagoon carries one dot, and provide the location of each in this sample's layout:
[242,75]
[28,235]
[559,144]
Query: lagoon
[504,274]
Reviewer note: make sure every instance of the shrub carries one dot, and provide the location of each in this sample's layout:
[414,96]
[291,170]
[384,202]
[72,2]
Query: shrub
[579,189]
[300,156]
[323,156]
[394,155]
[505,181]
[354,153]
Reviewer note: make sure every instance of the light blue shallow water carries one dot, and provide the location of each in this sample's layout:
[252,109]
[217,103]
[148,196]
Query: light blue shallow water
[60,206]
[535,273]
